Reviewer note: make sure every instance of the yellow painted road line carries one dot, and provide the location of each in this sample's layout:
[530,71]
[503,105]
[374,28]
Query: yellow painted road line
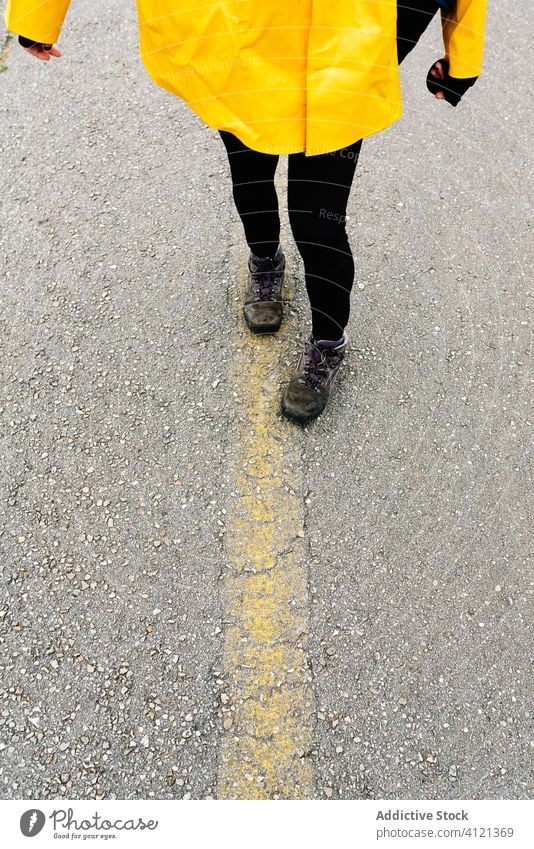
[269,702]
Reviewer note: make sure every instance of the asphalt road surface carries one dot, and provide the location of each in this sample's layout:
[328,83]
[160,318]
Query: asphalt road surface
[201,599]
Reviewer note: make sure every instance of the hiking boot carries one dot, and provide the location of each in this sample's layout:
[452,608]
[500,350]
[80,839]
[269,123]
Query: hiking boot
[263,305]
[306,395]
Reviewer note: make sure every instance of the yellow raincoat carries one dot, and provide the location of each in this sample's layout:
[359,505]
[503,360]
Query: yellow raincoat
[282,75]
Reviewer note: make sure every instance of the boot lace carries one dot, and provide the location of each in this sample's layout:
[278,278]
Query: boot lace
[264,281]
[318,363]
[315,367]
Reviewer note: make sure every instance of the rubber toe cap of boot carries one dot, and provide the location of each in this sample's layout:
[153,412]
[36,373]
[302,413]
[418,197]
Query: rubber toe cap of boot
[302,403]
[263,317]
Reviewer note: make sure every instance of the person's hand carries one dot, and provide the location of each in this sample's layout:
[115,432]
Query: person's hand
[437,72]
[443,86]
[38,49]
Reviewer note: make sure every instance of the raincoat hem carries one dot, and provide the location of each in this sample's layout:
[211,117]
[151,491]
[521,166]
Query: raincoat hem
[250,139]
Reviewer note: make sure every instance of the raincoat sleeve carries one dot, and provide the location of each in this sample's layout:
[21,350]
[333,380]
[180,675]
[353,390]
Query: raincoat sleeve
[40,20]
[463,37]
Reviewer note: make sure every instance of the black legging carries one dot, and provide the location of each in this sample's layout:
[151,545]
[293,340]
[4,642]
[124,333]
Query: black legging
[317,195]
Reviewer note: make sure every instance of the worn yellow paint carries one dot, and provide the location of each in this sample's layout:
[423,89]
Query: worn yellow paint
[265,752]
